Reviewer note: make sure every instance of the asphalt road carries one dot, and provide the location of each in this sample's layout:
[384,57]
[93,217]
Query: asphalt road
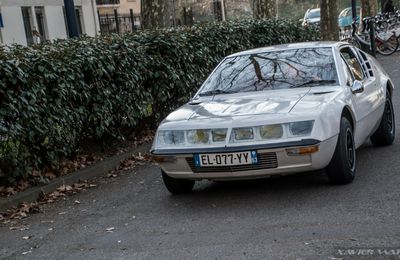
[294,217]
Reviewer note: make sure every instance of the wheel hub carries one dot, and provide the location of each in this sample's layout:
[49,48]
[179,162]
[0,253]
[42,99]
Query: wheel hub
[351,155]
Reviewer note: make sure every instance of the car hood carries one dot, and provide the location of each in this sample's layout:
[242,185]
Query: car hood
[275,104]
[234,105]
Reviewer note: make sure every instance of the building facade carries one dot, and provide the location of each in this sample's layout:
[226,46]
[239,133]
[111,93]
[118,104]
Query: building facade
[122,6]
[27,22]
[119,16]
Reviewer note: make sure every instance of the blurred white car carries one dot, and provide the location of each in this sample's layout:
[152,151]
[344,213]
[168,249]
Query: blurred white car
[312,17]
[276,111]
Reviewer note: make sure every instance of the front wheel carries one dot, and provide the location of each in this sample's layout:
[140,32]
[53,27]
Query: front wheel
[385,133]
[342,168]
[177,186]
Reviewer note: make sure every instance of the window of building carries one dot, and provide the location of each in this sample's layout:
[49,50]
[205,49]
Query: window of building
[35,26]
[27,18]
[79,20]
[107,2]
[1,26]
[41,23]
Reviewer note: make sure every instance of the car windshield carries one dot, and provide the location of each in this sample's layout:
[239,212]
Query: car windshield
[273,70]
[347,12]
[313,14]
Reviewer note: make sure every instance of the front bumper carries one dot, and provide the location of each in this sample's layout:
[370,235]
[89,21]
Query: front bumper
[274,160]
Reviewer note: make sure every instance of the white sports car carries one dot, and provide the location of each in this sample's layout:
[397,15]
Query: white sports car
[276,111]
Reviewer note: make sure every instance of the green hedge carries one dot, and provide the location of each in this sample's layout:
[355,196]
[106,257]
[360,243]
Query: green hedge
[55,95]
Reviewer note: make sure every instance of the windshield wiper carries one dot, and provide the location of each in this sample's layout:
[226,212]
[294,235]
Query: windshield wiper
[313,81]
[216,92]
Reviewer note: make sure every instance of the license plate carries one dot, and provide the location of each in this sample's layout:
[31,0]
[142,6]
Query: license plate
[225,159]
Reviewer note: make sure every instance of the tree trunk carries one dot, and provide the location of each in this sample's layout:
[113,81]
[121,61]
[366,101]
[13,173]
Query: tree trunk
[263,8]
[387,6]
[369,8]
[329,23]
[158,13]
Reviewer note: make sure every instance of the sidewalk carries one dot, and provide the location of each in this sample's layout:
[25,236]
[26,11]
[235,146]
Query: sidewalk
[96,170]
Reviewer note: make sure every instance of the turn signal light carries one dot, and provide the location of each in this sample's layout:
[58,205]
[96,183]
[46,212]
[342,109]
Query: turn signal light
[302,150]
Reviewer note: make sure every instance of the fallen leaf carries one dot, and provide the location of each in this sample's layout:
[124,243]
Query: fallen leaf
[22,185]
[50,174]
[10,191]
[77,202]
[110,229]
[64,188]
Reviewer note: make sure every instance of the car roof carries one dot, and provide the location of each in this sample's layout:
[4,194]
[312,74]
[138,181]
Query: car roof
[289,46]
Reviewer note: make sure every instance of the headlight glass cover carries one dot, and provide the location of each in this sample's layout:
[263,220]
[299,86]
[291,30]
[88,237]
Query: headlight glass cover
[173,137]
[219,135]
[243,133]
[198,136]
[271,131]
[302,128]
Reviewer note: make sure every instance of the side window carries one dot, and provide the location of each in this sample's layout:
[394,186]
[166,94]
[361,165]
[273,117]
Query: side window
[366,64]
[352,61]
[349,75]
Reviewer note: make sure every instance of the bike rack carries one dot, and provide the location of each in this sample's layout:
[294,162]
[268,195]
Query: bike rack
[369,47]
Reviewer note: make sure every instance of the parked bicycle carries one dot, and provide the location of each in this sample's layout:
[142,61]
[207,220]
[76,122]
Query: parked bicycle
[386,39]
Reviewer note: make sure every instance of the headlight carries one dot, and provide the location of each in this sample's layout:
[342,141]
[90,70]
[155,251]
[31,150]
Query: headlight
[271,131]
[243,133]
[219,135]
[198,136]
[302,128]
[172,137]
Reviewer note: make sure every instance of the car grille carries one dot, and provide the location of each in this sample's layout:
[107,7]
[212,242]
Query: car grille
[265,161]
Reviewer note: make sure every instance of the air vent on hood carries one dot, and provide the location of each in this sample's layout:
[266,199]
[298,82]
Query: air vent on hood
[321,93]
[194,103]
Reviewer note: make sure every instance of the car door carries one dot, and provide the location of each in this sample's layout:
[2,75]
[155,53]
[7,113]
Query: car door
[367,102]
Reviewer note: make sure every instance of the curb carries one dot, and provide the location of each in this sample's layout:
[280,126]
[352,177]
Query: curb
[97,169]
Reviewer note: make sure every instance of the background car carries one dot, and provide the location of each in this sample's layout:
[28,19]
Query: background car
[312,17]
[346,17]
[275,111]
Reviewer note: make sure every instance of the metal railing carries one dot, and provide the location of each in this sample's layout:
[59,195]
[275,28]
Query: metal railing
[119,23]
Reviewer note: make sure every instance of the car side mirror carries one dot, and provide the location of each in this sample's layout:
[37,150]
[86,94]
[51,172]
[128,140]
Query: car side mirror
[357,87]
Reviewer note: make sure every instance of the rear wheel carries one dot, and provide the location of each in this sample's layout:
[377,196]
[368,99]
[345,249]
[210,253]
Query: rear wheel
[387,47]
[384,135]
[342,168]
[177,186]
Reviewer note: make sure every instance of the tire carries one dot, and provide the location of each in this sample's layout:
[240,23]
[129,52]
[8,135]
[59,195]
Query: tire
[385,134]
[387,47]
[342,168]
[177,186]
